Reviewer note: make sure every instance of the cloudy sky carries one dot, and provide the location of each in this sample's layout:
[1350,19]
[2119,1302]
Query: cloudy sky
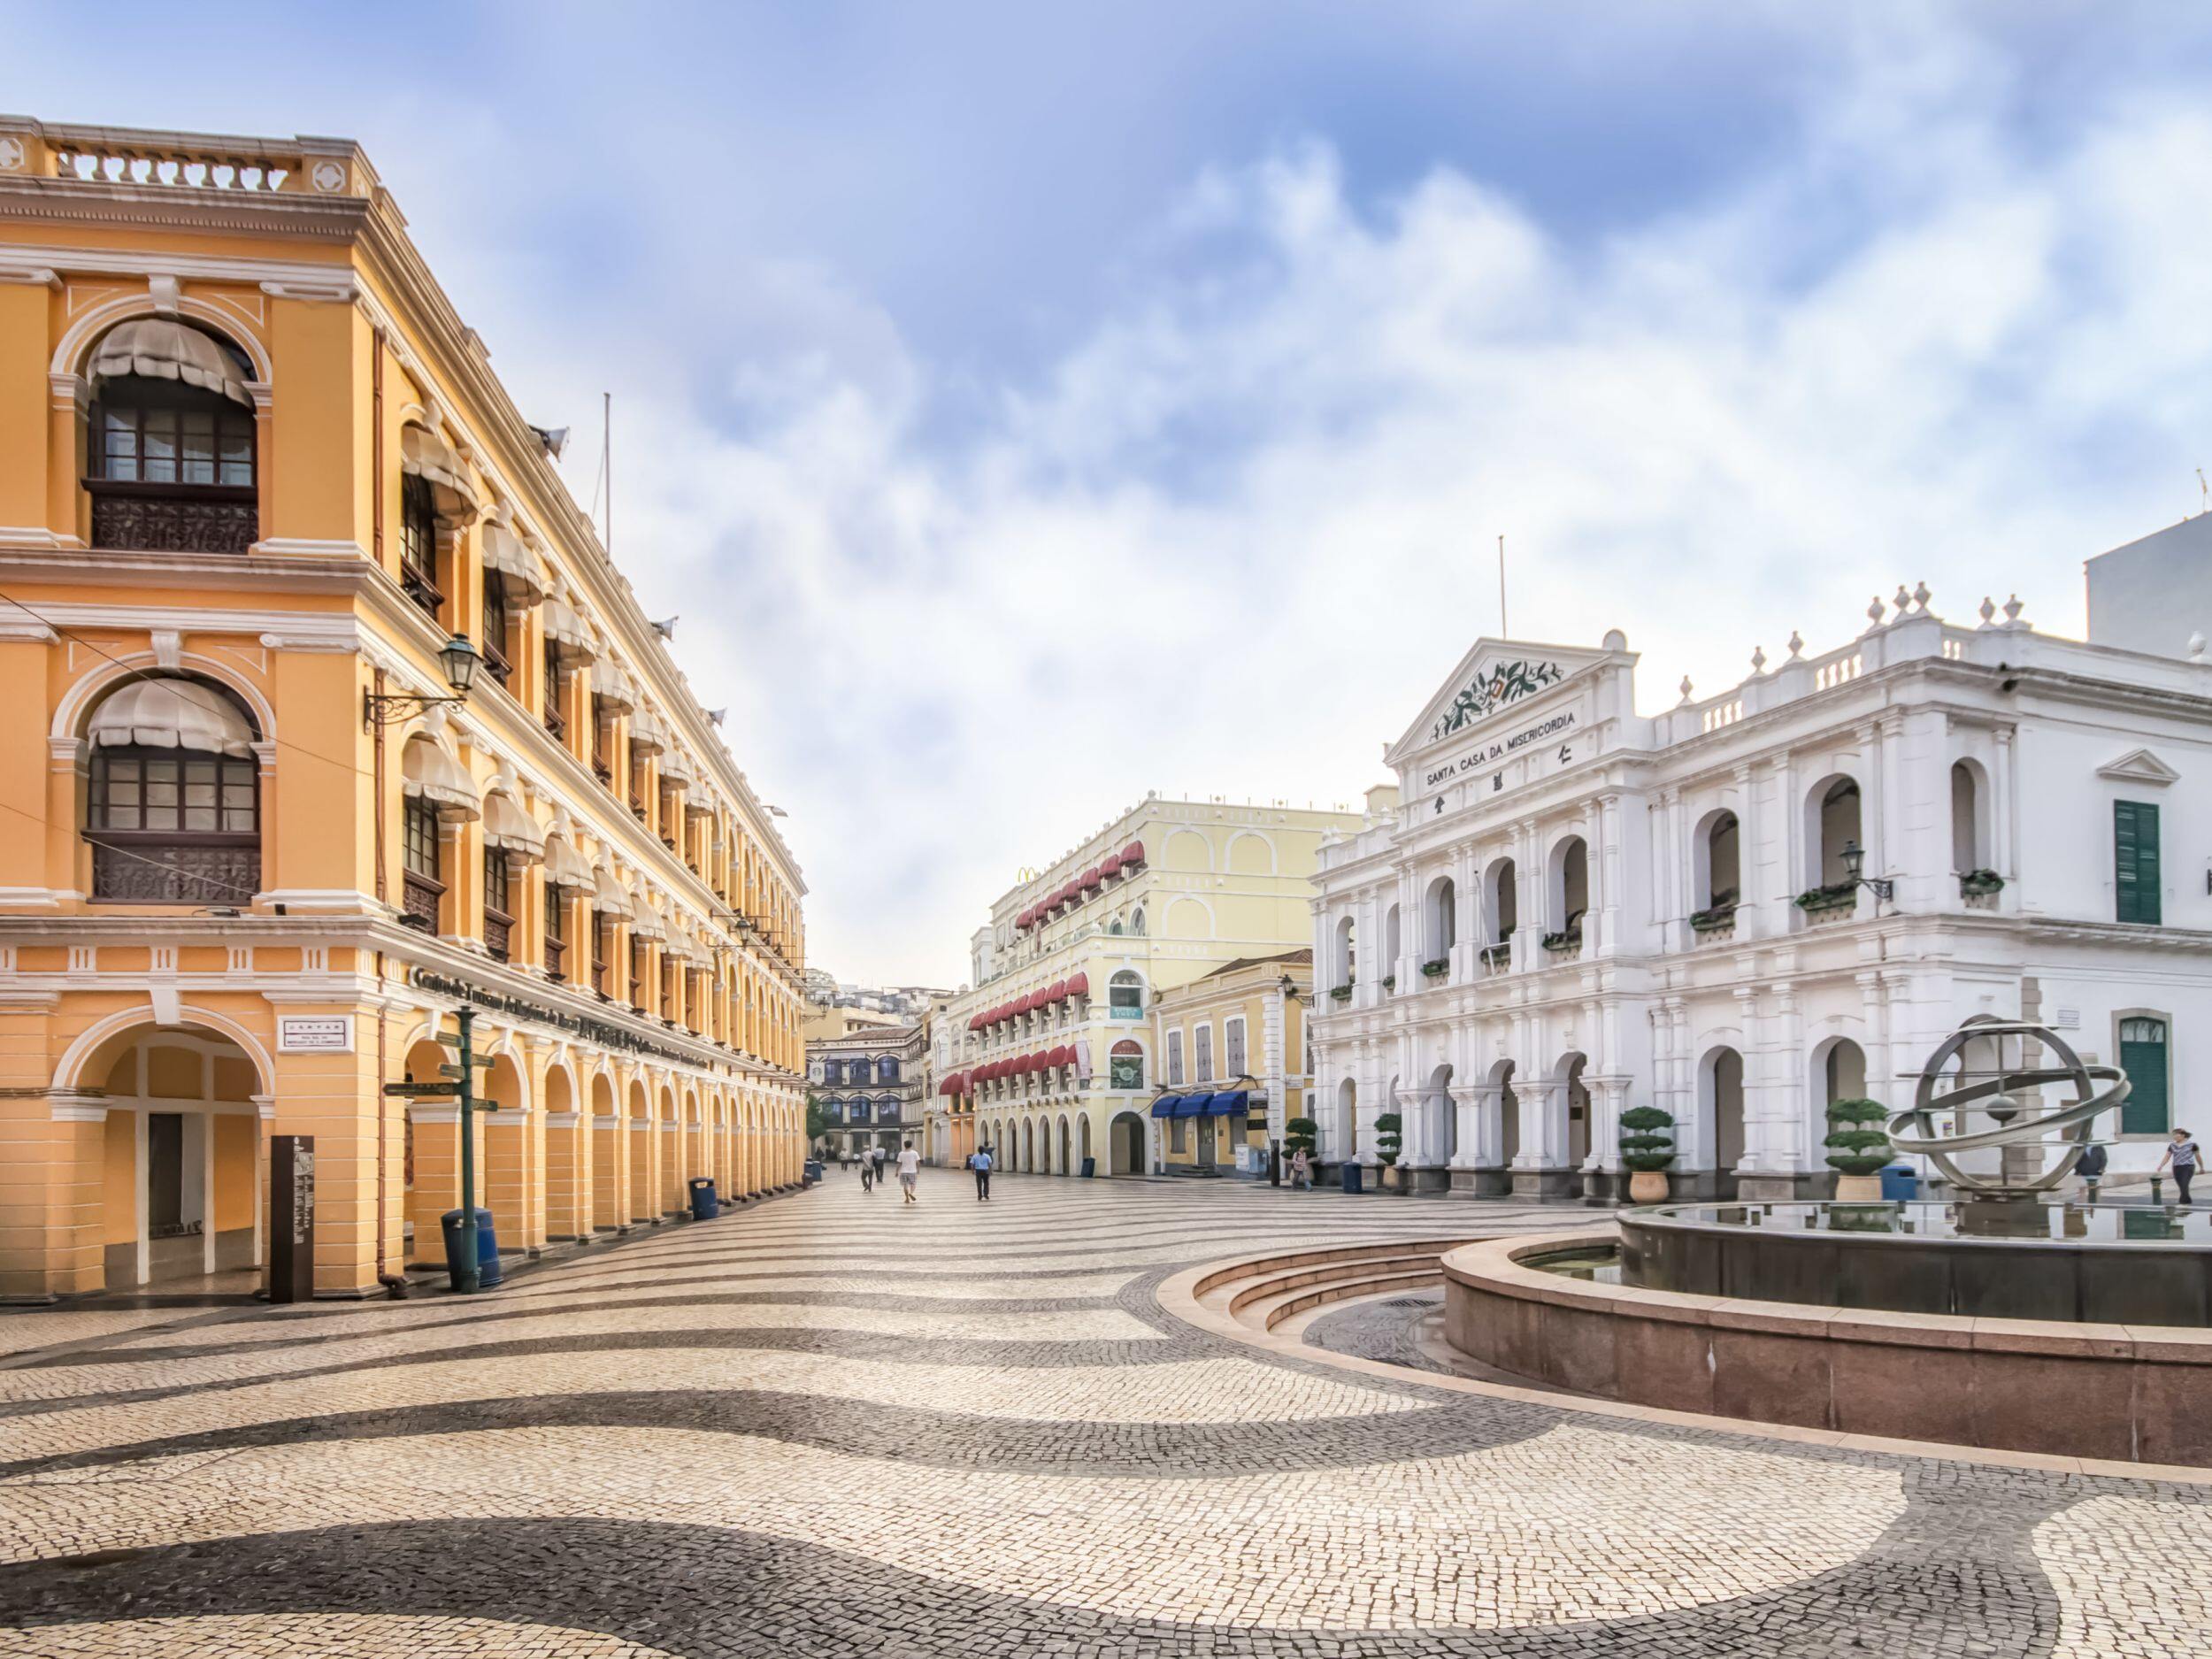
[1030,406]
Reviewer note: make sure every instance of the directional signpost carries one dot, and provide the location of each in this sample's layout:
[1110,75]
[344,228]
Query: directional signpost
[461,1089]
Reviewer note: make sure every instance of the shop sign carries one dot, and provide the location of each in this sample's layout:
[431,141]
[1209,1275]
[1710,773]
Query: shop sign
[1560,725]
[314,1033]
[604,1032]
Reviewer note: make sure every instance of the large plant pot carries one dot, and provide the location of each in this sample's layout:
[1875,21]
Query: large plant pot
[1858,1189]
[1647,1186]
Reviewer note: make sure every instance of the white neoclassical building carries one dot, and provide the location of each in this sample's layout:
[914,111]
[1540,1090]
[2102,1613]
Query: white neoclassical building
[1564,907]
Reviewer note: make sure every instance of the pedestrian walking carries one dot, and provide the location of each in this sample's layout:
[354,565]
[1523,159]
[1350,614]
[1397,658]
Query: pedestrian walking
[981,1164]
[909,1170]
[877,1155]
[2183,1155]
[1301,1170]
[2091,1168]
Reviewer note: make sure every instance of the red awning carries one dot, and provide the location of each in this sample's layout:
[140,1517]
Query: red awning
[1092,877]
[976,1021]
[1058,993]
[1110,864]
[950,1086]
[1063,1055]
[1072,893]
[1133,854]
[1020,1004]
[1079,984]
[1025,918]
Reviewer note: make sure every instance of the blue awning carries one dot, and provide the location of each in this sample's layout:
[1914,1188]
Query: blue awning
[1167,1106]
[1229,1105]
[1191,1106]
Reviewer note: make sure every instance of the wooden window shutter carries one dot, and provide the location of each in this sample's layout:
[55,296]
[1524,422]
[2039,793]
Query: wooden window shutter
[2136,880]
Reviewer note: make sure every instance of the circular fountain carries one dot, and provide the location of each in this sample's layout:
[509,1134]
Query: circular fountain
[1997,1317]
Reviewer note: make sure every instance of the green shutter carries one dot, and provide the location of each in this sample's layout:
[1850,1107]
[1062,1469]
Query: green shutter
[2135,861]
[2143,1058]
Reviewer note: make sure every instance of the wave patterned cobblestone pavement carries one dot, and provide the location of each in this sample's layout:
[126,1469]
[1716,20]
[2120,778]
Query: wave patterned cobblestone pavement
[831,1424]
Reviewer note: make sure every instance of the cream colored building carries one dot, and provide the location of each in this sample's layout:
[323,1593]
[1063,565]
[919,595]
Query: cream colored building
[1052,1055]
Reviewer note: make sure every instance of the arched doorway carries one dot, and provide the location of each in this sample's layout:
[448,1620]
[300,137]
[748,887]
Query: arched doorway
[1029,1146]
[1066,1145]
[1440,1119]
[1083,1139]
[606,1157]
[1571,1070]
[1125,1145]
[642,1162]
[1346,1147]
[181,1187]
[507,1189]
[1721,1111]
[567,1158]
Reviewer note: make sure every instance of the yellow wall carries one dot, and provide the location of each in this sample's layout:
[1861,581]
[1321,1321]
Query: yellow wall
[120,1188]
[235,1155]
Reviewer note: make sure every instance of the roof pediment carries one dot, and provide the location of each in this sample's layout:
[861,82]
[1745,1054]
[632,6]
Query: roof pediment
[2139,765]
[1496,677]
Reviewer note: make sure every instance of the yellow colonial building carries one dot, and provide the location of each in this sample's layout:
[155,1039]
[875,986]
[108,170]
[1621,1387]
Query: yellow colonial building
[329,716]
[1052,1058]
[1232,1065]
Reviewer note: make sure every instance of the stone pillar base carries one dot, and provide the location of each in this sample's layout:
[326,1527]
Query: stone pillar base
[1482,1183]
[1545,1183]
[1768,1187]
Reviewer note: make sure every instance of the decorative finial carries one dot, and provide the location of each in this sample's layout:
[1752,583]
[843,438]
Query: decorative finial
[1874,611]
[2196,648]
[1758,659]
[2013,608]
[1797,644]
[1903,601]
[1989,610]
[1920,595]
[1685,687]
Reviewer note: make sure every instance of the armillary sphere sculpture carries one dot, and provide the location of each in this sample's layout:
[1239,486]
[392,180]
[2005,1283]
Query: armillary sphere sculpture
[1982,1068]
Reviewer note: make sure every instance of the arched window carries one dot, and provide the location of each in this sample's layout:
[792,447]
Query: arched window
[1970,845]
[888,1069]
[173,806]
[1125,996]
[171,451]
[1504,902]
[1439,921]
[1570,891]
[1717,883]
[1136,921]
[1124,1065]
[1346,959]
[1835,810]
[1393,939]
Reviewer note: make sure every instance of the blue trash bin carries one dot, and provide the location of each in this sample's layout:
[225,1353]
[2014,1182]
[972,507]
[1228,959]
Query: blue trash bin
[486,1248]
[1349,1172]
[1901,1184]
[1090,1168]
[705,1206]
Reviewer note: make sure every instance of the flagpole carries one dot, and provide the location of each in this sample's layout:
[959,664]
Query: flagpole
[1504,632]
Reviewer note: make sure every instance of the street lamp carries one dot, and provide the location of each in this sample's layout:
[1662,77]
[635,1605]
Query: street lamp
[457,657]
[1288,986]
[1853,861]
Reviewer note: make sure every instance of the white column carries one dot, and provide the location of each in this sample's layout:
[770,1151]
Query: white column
[1606,872]
[2004,851]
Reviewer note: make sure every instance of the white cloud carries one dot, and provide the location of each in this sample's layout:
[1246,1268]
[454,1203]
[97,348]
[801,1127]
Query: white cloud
[1230,541]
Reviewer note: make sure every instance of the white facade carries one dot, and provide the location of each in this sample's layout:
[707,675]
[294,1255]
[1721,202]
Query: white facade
[1534,931]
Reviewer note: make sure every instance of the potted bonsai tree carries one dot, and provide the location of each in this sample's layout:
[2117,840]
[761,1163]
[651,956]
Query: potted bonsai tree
[1646,1149]
[1857,1151]
[1388,1139]
[1303,1135]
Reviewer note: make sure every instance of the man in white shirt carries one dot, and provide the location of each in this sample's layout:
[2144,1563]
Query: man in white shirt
[910,1166]
[981,1164]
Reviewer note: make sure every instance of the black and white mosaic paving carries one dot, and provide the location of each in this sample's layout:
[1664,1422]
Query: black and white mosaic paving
[835,1424]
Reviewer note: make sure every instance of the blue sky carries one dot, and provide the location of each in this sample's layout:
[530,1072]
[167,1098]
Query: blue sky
[1030,406]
